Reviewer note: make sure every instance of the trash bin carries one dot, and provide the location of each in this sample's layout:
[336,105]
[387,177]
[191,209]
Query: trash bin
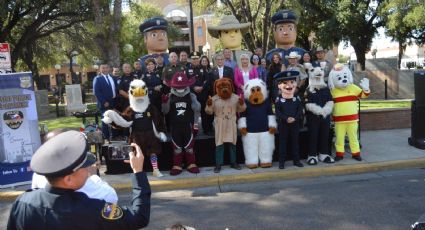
[417,138]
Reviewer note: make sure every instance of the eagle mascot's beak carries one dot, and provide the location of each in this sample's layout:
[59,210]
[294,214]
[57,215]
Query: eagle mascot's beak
[138,91]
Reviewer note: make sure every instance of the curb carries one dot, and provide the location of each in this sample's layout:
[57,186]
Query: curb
[217,180]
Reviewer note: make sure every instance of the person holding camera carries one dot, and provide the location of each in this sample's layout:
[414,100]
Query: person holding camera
[64,161]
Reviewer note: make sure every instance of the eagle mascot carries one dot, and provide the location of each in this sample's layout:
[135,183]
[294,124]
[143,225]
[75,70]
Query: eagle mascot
[145,122]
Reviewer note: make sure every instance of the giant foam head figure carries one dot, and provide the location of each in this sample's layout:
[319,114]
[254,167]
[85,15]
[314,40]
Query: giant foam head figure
[285,28]
[229,31]
[154,31]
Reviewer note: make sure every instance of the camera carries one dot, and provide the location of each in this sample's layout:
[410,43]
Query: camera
[120,151]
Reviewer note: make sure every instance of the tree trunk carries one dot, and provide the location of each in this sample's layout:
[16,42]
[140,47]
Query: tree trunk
[361,55]
[107,38]
[266,25]
[401,48]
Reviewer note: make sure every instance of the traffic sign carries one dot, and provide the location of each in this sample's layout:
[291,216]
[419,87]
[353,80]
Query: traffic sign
[5,62]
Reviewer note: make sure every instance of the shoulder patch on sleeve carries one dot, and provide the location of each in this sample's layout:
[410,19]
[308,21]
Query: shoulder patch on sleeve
[111,212]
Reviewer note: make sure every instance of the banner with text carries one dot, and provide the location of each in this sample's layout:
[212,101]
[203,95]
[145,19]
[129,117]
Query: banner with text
[19,135]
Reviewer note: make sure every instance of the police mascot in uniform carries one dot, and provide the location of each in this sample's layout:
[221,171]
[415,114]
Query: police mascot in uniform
[319,105]
[345,113]
[289,111]
[257,125]
[183,110]
[146,122]
[225,104]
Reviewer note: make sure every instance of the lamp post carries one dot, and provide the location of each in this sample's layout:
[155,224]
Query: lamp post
[72,55]
[59,89]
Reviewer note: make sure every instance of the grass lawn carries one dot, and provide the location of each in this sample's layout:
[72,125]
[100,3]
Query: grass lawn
[75,123]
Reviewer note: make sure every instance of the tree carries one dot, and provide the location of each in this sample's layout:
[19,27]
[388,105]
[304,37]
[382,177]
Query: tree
[403,23]
[24,23]
[358,22]
[107,27]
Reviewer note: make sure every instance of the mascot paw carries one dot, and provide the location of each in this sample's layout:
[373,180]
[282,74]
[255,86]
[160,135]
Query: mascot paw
[326,158]
[192,168]
[251,166]
[162,137]
[312,160]
[107,117]
[243,131]
[241,100]
[209,101]
[176,170]
[338,158]
[265,165]
[157,173]
[272,130]
[357,158]
[364,84]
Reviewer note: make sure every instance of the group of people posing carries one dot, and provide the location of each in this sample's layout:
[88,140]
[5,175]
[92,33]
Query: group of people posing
[271,82]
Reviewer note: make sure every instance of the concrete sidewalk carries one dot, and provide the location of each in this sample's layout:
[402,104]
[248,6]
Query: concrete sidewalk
[381,150]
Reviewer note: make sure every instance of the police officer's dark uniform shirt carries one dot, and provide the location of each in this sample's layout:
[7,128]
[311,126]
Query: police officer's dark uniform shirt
[137,74]
[165,57]
[125,86]
[286,108]
[152,80]
[201,76]
[257,119]
[181,118]
[57,208]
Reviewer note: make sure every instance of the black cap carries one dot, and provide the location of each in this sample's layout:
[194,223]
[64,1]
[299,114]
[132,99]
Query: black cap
[283,16]
[62,155]
[286,75]
[195,54]
[155,23]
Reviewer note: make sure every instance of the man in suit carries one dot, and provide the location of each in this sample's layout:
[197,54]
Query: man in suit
[220,71]
[105,90]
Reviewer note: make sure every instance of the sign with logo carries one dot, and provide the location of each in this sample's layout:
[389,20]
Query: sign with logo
[19,135]
[5,62]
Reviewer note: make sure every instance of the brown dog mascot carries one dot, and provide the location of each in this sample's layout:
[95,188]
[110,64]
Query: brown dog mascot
[225,104]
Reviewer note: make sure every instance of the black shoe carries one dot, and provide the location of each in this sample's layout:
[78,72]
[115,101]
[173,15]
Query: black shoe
[217,168]
[298,164]
[357,158]
[337,158]
[282,166]
[235,166]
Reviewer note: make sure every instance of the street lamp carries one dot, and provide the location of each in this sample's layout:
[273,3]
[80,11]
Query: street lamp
[59,89]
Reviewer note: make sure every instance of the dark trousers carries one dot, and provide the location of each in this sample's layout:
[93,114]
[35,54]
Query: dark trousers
[318,134]
[206,118]
[288,134]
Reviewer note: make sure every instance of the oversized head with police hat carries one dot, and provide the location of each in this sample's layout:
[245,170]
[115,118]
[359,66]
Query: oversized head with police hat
[285,28]
[154,31]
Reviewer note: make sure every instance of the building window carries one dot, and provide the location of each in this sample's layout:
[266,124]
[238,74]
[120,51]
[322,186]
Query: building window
[200,31]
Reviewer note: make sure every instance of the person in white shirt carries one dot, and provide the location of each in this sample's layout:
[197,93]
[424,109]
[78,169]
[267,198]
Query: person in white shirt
[94,187]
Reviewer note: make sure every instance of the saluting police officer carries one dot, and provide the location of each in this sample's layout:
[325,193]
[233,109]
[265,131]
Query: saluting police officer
[63,160]
[201,89]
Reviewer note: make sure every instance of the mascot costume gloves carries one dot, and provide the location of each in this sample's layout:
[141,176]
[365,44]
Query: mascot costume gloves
[345,113]
[319,105]
[257,125]
[146,122]
[184,110]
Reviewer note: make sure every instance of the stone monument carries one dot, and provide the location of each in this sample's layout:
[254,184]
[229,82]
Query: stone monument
[42,101]
[73,99]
